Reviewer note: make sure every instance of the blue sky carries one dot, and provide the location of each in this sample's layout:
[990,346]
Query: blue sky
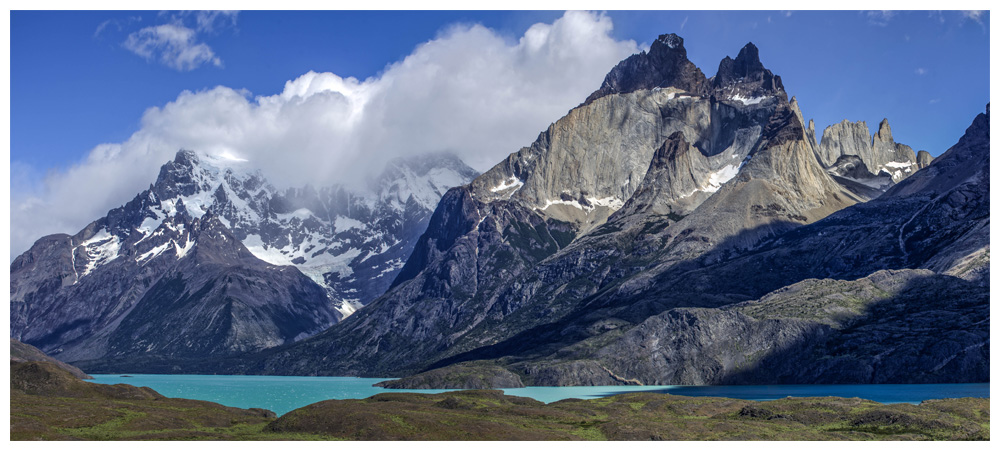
[95,90]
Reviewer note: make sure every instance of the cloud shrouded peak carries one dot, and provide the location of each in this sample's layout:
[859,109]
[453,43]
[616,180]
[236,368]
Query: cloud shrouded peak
[469,91]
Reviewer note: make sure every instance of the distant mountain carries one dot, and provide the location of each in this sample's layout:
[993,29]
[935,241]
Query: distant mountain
[225,262]
[872,162]
[663,191]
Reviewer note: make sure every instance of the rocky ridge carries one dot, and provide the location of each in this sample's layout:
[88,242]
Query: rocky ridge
[214,253]
[519,262]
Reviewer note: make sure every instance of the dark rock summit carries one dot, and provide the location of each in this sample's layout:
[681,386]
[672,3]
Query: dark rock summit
[746,76]
[666,64]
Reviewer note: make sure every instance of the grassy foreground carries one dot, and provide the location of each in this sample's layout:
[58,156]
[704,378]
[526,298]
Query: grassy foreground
[48,403]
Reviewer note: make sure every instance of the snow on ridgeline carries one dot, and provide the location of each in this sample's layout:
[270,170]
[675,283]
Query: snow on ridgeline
[612,203]
[748,100]
[329,234]
[511,182]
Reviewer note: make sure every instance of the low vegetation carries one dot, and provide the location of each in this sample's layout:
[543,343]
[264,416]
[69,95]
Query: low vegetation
[48,403]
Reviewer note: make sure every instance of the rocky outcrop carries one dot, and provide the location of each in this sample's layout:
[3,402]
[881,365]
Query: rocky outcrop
[466,376]
[746,77]
[852,173]
[674,182]
[924,159]
[880,153]
[820,331]
[665,65]
[845,138]
[898,160]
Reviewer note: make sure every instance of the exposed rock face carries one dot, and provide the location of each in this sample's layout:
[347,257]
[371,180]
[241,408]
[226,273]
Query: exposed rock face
[190,291]
[896,159]
[845,138]
[746,77]
[851,172]
[924,159]
[820,331]
[811,133]
[665,64]
[673,182]
[881,155]
[215,255]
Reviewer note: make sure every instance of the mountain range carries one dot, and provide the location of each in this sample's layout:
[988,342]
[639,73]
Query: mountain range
[672,229]
[222,261]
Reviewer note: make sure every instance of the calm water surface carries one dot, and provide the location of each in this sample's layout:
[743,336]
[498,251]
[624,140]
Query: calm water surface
[282,394]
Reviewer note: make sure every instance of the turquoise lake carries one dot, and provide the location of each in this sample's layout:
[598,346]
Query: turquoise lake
[282,394]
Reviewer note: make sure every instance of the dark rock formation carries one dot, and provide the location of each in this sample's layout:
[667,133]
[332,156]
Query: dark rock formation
[665,64]
[746,76]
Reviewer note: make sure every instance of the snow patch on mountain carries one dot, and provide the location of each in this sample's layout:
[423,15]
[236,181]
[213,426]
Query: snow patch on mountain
[101,249]
[512,182]
[748,100]
[717,178]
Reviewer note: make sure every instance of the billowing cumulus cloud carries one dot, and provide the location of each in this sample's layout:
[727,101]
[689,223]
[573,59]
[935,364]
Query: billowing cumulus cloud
[469,91]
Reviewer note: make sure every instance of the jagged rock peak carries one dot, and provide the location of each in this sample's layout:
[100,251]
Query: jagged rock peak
[884,133]
[670,40]
[666,64]
[746,76]
[924,159]
[811,132]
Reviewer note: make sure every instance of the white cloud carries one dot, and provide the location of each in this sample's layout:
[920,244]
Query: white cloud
[976,16]
[206,20]
[880,18]
[920,71]
[118,25]
[469,91]
[173,44]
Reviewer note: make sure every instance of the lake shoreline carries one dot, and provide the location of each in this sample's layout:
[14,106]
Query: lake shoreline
[283,394]
[48,403]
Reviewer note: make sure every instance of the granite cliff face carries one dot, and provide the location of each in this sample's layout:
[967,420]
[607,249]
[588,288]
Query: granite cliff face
[888,160]
[225,262]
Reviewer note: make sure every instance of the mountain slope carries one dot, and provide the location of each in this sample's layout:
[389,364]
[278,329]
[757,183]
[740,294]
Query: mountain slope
[226,263]
[868,326]
[528,241]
